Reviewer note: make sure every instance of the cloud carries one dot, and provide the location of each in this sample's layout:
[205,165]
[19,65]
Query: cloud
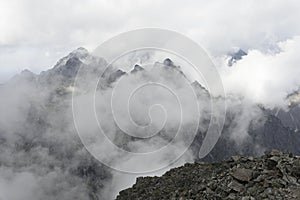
[34,34]
[57,27]
[24,181]
[265,78]
[39,143]
[39,153]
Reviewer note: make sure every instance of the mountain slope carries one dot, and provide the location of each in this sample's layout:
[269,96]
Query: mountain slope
[272,176]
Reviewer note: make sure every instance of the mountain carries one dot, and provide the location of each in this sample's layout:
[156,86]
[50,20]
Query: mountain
[273,129]
[38,136]
[235,56]
[272,176]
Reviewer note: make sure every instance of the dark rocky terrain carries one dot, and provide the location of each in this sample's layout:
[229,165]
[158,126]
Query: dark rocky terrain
[276,175]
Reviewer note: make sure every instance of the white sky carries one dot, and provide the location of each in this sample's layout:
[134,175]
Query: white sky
[34,34]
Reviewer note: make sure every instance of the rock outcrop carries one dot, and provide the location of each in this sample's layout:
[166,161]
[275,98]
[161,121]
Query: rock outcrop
[276,175]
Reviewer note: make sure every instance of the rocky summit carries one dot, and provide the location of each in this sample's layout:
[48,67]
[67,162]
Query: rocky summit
[275,175]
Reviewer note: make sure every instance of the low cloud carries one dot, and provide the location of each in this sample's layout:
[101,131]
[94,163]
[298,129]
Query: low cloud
[265,77]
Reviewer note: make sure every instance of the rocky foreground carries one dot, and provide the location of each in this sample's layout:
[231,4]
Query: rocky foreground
[276,175]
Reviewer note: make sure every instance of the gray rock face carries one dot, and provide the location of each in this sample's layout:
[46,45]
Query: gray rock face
[246,178]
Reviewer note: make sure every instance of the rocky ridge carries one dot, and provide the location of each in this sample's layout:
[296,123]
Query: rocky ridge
[275,175]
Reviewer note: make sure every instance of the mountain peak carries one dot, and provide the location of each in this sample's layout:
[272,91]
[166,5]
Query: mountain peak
[27,72]
[137,68]
[80,51]
[25,75]
[196,84]
[168,62]
[78,54]
[235,56]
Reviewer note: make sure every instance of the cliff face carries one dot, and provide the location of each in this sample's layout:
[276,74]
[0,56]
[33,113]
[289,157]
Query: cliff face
[275,175]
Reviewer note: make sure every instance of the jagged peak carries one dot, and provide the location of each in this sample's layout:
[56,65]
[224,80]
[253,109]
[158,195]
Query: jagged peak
[168,62]
[199,88]
[137,68]
[115,75]
[79,53]
[238,53]
[235,56]
[27,72]
[197,85]
[24,75]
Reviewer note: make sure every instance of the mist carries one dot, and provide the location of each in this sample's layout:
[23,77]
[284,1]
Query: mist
[265,77]
[51,141]
[43,147]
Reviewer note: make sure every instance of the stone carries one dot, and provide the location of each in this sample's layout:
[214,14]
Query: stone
[250,158]
[242,174]
[236,186]
[275,152]
[235,158]
[270,164]
[296,171]
[231,196]
[248,198]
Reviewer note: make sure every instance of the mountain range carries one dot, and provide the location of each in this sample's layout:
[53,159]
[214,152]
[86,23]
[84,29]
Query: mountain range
[38,137]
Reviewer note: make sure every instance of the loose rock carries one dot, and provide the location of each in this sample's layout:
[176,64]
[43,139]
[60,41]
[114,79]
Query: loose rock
[245,178]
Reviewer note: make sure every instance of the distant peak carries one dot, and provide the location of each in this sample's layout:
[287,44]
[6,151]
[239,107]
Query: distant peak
[137,68]
[115,75]
[25,75]
[27,72]
[235,56]
[168,62]
[197,85]
[81,50]
[77,54]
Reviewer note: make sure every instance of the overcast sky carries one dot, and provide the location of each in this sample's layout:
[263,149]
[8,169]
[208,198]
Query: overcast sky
[34,34]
